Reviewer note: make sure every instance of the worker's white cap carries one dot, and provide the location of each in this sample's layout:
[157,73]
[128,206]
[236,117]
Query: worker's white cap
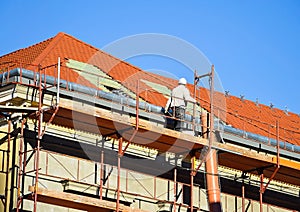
[182,81]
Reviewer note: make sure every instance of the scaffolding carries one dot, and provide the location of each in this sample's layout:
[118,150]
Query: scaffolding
[53,114]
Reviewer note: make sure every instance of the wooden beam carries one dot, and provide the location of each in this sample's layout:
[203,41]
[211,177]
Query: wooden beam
[75,201]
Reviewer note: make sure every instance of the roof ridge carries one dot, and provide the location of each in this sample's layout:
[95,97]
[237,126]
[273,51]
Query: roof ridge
[74,38]
[49,47]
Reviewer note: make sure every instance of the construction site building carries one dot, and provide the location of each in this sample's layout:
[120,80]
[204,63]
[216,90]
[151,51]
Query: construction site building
[81,130]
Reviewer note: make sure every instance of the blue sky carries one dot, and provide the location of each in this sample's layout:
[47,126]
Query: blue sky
[254,45]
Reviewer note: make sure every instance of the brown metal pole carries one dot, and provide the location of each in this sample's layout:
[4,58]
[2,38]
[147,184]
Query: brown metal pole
[20,165]
[195,83]
[243,196]
[204,123]
[119,172]
[47,163]
[261,191]
[23,169]
[211,118]
[277,160]
[277,139]
[137,104]
[175,191]
[192,182]
[192,188]
[37,158]
[37,153]
[101,174]
[7,163]
[194,105]
[78,171]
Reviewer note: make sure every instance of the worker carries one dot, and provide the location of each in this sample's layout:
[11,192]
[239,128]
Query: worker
[180,95]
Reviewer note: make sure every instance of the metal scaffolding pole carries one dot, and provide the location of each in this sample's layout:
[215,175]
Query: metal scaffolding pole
[7,163]
[243,196]
[41,132]
[21,166]
[38,141]
[119,173]
[175,189]
[101,174]
[193,174]
[277,166]
[261,192]
[213,188]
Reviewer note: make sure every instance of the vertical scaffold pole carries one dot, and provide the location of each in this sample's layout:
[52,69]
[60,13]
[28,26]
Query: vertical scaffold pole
[243,196]
[175,189]
[101,174]
[21,166]
[7,163]
[37,148]
[261,191]
[58,81]
[262,187]
[195,97]
[193,173]
[119,173]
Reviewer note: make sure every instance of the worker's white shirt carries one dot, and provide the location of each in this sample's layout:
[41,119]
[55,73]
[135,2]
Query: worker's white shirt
[179,96]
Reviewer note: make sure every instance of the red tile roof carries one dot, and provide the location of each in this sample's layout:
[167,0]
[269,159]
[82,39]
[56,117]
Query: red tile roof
[241,114]
[24,56]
